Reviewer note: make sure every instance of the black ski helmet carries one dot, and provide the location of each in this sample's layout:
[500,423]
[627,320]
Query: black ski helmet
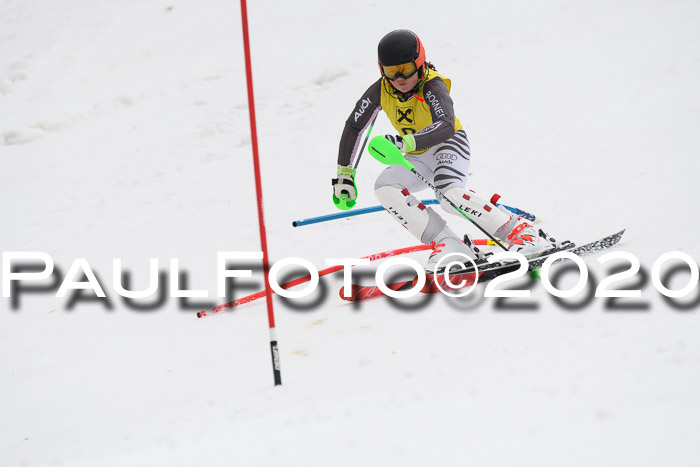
[401,46]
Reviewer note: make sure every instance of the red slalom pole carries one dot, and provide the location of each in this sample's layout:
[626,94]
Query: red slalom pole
[258,190]
[306,278]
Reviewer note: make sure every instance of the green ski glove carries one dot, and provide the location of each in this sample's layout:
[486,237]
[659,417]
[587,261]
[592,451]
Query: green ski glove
[344,188]
[405,144]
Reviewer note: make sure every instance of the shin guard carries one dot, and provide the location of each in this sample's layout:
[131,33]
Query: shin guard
[485,213]
[421,221]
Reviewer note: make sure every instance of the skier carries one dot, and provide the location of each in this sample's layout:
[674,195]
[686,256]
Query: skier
[416,100]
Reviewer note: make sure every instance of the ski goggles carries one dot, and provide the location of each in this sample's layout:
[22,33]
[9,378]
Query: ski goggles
[404,70]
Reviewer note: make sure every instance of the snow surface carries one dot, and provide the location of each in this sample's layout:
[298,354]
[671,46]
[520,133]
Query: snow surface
[124,134]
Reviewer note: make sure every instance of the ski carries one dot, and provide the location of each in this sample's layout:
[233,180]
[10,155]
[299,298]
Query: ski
[485,271]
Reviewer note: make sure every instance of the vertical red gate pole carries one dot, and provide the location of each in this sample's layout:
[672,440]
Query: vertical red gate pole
[258,190]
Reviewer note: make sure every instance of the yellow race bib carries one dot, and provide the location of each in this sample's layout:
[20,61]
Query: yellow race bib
[413,115]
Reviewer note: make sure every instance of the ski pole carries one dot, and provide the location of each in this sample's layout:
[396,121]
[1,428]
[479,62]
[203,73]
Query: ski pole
[385,152]
[369,131]
[342,215]
[357,212]
[342,202]
[520,212]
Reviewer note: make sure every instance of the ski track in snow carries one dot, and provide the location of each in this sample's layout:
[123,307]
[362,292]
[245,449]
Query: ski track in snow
[124,133]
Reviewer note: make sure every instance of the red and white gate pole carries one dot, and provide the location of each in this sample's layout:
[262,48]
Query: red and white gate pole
[258,190]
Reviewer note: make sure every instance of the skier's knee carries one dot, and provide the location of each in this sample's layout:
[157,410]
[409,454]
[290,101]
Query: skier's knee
[421,221]
[394,194]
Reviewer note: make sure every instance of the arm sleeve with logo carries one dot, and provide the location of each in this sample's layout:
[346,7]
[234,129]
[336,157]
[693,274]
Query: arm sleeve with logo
[438,99]
[359,120]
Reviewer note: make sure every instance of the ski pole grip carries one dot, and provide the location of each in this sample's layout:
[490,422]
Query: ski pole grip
[387,153]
